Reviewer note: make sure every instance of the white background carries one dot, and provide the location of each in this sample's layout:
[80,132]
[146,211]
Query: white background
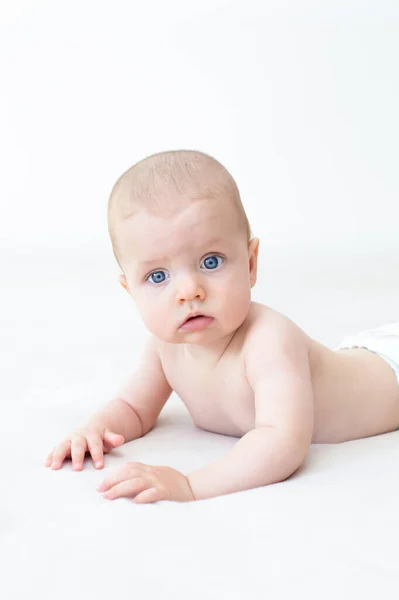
[297,98]
[299,101]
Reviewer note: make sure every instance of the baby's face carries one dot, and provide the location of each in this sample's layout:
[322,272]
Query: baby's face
[195,260]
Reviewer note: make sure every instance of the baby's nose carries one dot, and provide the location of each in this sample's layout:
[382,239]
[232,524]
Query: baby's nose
[190,288]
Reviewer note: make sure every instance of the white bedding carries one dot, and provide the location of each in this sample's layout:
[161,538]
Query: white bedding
[69,336]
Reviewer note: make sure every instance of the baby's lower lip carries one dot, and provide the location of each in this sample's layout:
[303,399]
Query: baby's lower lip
[197,323]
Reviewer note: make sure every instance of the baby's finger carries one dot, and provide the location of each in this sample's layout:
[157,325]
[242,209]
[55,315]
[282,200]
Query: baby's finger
[113,439]
[78,451]
[111,480]
[129,487]
[150,495]
[95,446]
[60,453]
[49,459]
[116,477]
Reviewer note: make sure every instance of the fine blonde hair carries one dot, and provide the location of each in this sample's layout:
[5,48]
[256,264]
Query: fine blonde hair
[163,182]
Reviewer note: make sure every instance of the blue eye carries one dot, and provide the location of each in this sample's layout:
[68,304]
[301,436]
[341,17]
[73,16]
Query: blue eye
[157,279]
[210,261]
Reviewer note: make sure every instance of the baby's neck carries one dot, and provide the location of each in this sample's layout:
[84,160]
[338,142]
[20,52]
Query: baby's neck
[211,352]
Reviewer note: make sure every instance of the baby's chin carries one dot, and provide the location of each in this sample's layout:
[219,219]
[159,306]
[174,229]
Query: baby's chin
[195,337]
[202,336]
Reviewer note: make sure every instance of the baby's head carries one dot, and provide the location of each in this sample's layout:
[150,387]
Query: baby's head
[183,242]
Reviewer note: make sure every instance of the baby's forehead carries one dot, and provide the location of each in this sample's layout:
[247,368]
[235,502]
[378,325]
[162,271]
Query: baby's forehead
[178,247]
[198,216]
[191,228]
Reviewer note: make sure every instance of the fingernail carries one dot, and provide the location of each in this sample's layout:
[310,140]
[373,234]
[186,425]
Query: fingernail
[98,464]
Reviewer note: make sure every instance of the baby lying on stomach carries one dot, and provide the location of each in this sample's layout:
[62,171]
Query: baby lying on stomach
[181,237]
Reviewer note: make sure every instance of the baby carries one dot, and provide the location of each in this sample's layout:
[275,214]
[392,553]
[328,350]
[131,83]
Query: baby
[181,237]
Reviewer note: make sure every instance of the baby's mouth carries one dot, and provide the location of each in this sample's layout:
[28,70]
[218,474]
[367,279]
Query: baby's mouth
[202,322]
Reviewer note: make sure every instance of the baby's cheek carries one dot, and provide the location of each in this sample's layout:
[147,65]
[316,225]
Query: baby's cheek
[242,303]
[238,302]
[149,315]
[237,291]
[154,320]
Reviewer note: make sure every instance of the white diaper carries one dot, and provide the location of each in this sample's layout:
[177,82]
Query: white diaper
[382,340]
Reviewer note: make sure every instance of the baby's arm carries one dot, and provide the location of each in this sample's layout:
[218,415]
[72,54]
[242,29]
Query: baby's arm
[145,393]
[278,371]
[129,415]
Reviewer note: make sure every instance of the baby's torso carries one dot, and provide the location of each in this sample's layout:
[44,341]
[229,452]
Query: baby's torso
[217,396]
[355,392]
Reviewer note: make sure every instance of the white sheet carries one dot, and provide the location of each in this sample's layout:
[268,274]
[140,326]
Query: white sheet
[69,336]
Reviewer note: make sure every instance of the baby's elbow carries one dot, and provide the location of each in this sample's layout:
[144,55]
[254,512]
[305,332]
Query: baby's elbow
[298,435]
[288,466]
[293,451]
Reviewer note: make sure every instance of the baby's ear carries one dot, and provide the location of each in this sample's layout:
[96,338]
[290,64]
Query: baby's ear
[122,280]
[253,249]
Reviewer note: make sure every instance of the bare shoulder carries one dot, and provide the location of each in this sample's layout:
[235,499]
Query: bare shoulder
[153,349]
[272,333]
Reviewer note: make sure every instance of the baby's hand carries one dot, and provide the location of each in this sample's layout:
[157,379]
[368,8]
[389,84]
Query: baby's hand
[147,484]
[95,440]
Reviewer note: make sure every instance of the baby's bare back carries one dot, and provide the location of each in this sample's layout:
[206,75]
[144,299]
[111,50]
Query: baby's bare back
[355,392]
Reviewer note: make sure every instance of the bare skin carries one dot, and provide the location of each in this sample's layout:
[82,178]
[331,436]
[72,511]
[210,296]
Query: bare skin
[250,373]
[355,391]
